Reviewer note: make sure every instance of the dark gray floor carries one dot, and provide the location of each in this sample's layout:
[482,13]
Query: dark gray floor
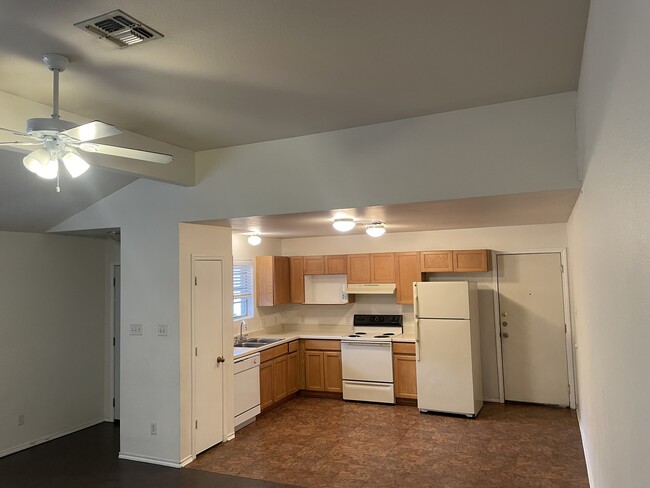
[88,459]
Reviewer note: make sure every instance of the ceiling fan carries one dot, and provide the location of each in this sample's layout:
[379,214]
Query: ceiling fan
[61,140]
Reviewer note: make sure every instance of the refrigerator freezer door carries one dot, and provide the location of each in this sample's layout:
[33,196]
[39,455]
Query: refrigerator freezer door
[444,370]
[442,299]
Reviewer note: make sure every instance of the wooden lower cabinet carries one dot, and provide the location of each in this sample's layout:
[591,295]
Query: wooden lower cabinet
[404,373]
[266,385]
[280,377]
[293,372]
[323,366]
[332,375]
[279,374]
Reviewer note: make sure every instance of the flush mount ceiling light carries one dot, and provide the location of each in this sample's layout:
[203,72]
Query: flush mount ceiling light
[254,240]
[344,224]
[376,229]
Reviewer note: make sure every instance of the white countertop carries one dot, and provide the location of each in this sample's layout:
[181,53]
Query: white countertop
[290,333]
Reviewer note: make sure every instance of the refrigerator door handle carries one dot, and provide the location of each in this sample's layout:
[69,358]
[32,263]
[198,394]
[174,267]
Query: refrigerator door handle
[417,339]
[417,321]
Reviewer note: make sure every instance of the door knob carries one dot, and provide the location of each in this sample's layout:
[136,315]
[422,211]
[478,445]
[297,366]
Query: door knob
[221,359]
[504,323]
[505,314]
[504,335]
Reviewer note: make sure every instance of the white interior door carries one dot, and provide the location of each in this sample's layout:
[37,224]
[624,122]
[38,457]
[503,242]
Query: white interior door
[533,334]
[116,341]
[207,392]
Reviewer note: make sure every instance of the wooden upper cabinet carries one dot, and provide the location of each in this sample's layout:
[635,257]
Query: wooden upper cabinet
[272,280]
[297,279]
[358,268]
[407,271]
[382,267]
[336,264]
[476,260]
[436,261]
[314,265]
[319,265]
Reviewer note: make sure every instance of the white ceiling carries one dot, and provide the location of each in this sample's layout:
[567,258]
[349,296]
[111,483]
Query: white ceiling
[232,72]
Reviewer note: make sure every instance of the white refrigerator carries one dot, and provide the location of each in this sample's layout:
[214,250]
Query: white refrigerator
[447,345]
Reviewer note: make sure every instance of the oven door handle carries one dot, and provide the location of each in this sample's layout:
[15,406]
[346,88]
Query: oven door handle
[367,344]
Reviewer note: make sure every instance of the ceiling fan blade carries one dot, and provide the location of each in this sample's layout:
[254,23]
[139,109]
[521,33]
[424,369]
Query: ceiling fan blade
[124,152]
[91,131]
[17,133]
[16,143]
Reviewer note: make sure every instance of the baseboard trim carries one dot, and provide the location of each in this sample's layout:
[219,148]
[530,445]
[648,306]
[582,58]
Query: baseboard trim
[187,460]
[151,460]
[50,437]
[590,472]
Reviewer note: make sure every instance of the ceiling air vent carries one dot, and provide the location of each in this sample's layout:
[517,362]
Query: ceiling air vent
[119,28]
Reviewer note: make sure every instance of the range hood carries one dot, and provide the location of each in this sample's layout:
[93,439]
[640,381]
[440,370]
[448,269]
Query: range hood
[372,289]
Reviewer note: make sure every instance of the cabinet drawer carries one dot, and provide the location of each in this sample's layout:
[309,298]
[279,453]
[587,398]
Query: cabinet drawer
[293,346]
[274,352]
[322,345]
[407,348]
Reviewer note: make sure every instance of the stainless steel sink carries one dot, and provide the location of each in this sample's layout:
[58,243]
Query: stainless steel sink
[266,340]
[258,342]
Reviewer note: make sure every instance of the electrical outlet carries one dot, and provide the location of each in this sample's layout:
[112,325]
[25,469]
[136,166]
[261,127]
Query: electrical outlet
[21,419]
[154,428]
[162,329]
[136,329]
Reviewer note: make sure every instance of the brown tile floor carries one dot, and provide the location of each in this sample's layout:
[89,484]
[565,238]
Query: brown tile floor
[315,442]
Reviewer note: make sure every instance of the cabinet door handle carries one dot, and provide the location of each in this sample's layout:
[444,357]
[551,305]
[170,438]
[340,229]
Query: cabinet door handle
[221,359]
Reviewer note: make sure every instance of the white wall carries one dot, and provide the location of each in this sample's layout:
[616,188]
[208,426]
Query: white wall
[609,245]
[515,147]
[51,336]
[515,238]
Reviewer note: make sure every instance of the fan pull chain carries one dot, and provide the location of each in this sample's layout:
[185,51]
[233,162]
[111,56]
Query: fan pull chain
[58,181]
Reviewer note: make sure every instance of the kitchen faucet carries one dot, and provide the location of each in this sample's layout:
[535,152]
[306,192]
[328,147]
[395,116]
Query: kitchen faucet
[241,331]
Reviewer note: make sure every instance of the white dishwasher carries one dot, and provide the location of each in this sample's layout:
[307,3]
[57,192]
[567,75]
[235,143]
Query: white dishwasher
[247,390]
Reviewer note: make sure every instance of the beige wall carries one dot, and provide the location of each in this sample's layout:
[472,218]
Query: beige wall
[51,336]
[197,241]
[609,245]
[243,251]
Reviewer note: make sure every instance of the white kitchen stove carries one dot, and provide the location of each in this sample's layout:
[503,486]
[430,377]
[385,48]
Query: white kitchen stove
[367,358]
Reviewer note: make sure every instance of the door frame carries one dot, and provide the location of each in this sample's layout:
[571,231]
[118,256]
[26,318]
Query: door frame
[195,258]
[568,336]
[111,346]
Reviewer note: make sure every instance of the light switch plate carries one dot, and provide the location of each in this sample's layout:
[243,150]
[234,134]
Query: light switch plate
[162,329]
[136,329]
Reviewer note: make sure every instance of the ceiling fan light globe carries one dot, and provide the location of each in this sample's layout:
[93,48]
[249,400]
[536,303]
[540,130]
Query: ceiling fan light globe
[35,160]
[75,164]
[41,163]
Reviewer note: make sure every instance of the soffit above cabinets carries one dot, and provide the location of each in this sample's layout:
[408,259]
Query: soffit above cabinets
[549,207]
